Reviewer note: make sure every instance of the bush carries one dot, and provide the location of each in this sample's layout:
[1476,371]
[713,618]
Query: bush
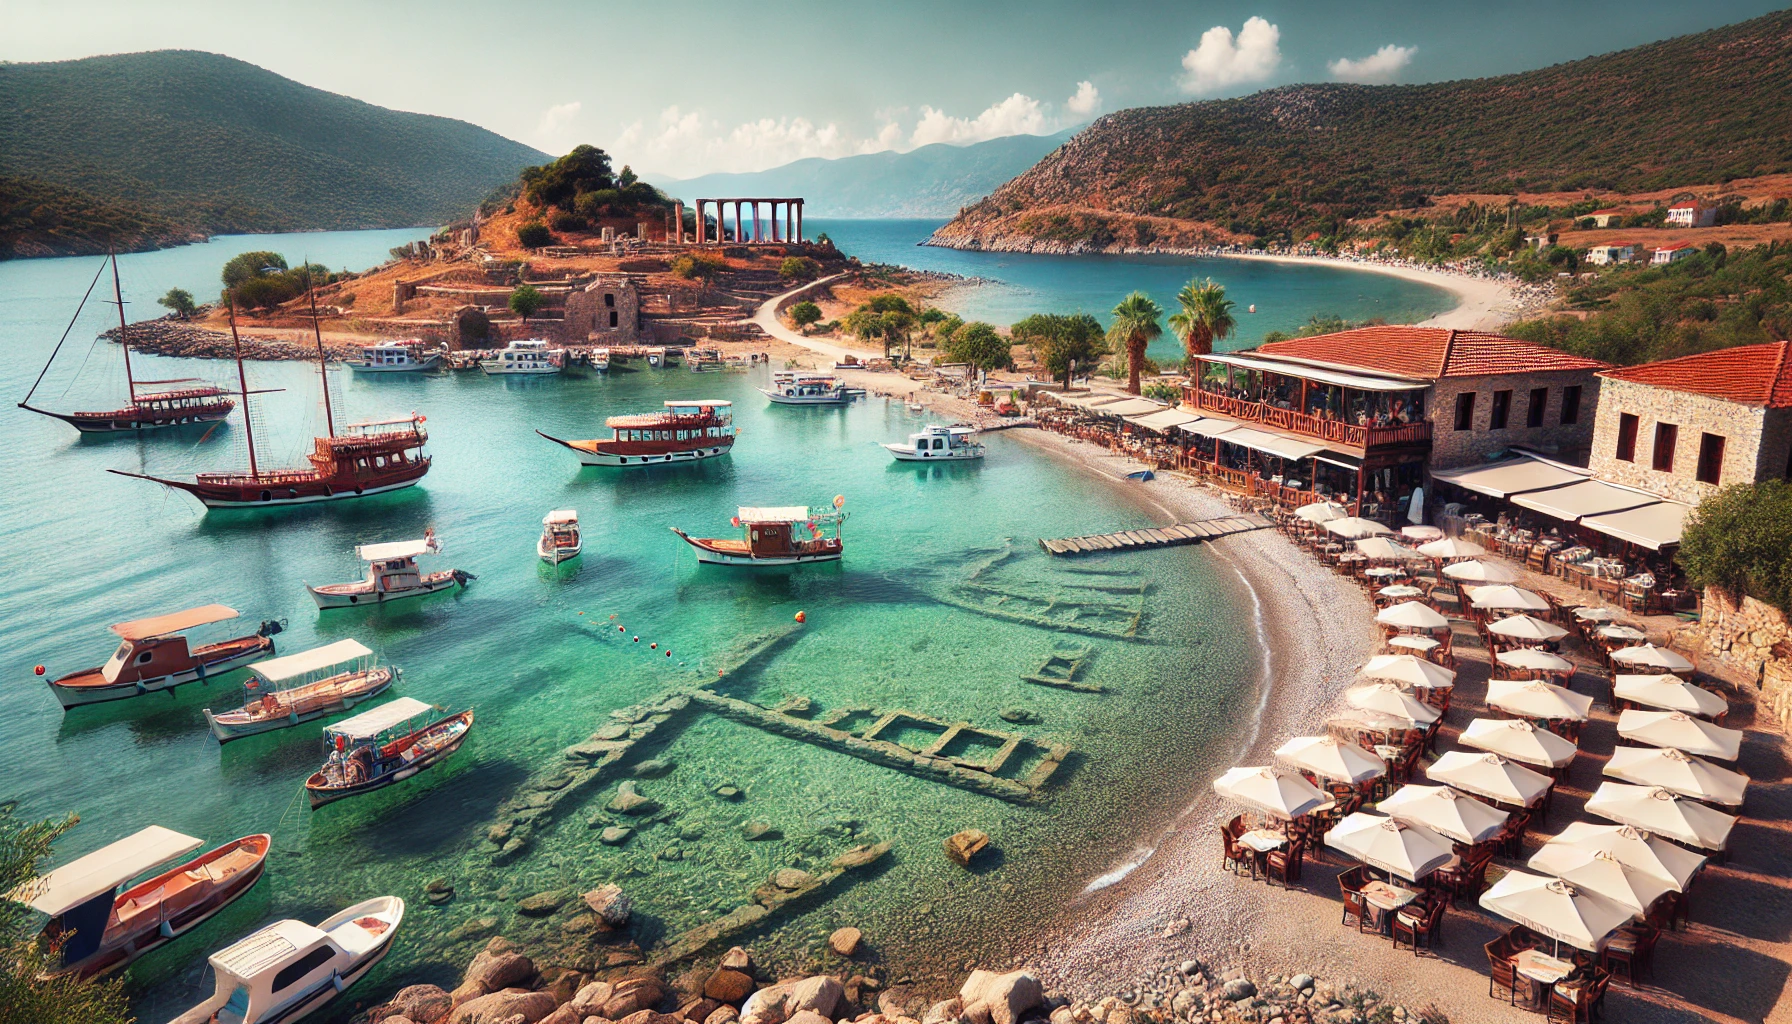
[24,999]
[180,301]
[1160,392]
[267,292]
[568,222]
[1740,540]
[525,301]
[533,234]
[805,313]
[585,169]
[978,343]
[244,266]
[797,268]
[700,266]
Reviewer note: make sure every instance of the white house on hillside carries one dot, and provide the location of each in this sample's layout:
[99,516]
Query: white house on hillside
[1670,253]
[1611,252]
[1691,215]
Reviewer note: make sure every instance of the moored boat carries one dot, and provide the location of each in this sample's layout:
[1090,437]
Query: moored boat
[779,535]
[102,929]
[687,431]
[559,538]
[283,692]
[282,972]
[154,655]
[384,746]
[395,357]
[392,575]
[806,389]
[528,356]
[600,359]
[703,360]
[938,444]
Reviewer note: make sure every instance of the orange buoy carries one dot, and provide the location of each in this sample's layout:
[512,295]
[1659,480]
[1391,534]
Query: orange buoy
[39,670]
[637,639]
[581,613]
[621,629]
[668,654]
[802,616]
[653,646]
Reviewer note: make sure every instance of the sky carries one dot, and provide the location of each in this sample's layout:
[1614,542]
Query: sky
[678,89]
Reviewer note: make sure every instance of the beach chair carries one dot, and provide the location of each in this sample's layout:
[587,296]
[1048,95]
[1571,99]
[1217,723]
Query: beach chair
[1500,972]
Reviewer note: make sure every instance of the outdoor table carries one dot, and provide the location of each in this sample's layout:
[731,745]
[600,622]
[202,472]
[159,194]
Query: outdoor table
[1384,571]
[1416,643]
[1263,840]
[1388,753]
[1540,966]
[1386,898]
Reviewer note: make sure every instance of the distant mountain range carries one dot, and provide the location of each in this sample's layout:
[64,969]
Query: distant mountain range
[211,143]
[932,181]
[1697,109]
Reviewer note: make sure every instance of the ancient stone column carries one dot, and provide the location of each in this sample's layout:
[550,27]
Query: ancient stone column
[756,237]
[799,220]
[737,223]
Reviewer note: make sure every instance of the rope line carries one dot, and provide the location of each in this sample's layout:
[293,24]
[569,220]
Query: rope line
[65,333]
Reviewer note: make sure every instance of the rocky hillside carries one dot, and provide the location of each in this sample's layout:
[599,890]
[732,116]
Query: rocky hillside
[1708,107]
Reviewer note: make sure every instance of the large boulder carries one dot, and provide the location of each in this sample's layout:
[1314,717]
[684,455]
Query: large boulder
[611,905]
[504,1005]
[962,846]
[845,941]
[498,966]
[590,1000]
[421,1004]
[946,1011]
[991,998]
[565,1014]
[766,1006]
[778,1003]
[729,986]
[723,1014]
[632,995]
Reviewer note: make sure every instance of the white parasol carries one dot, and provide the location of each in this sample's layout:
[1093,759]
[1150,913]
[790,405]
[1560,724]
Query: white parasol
[1518,740]
[1322,512]
[1506,598]
[1527,627]
[1389,699]
[1556,908]
[1663,813]
[1413,643]
[1383,549]
[1408,670]
[1594,613]
[1670,693]
[1452,547]
[1538,699]
[1480,572]
[1411,615]
[1632,847]
[1399,591]
[1444,811]
[1421,533]
[1629,634]
[1353,528]
[1489,775]
[1276,793]
[1677,772]
[1534,660]
[1331,758]
[1651,656]
[1681,731]
[1410,851]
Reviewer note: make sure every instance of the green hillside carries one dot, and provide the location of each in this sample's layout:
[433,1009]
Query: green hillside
[48,220]
[217,144]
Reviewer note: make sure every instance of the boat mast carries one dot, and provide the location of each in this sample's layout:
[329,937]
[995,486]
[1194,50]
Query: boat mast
[118,297]
[243,381]
[323,366]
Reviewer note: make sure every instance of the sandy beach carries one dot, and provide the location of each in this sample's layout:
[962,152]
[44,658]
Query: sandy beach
[1482,303]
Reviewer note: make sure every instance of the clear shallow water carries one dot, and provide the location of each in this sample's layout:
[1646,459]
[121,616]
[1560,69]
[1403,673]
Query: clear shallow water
[81,549]
[1285,294]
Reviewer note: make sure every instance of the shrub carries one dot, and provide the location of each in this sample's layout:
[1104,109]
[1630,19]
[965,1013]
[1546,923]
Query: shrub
[568,222]
[1740,540]
[533,234]
[525,301]
[244,266]
[978,343]
[180,301]
[797,268]
[803,314]
[585,169]
[267,291]
[1161,392]
[701,266]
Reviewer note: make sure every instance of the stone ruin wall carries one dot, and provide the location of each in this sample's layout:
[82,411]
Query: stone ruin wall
[1752,640]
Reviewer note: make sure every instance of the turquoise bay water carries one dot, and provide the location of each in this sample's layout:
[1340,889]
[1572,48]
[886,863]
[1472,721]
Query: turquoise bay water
[81,548]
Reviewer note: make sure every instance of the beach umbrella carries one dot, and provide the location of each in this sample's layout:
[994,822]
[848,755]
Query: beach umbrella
[1555,908]
[1681,731]
[1322,512]
[1419,534]
[1331,758]
[1534,660]
[1412,615]
[1594,613]
[1651,656]
[1489,775]
[1452,547]
[1408,670]
[1537,699]
[1410,851]
[1353,527]
[1656,810]
[1389,699]
[1413,643]
[1276,793]
[1383,571]
[1518,740]
[1383,549]
[1480,572]
[1670,693]
[1631,847]
[1628,634]
[1677,772]
[1602,874]
[1400,591]
[1498,598]
[1527,627]
[1444,811]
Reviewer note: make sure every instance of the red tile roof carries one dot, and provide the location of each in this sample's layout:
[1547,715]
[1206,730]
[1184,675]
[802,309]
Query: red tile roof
[1427,352]
[1751,374]
[1676,247]
[1684,206]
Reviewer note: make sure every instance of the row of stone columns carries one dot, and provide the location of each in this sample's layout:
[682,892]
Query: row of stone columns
[774,228]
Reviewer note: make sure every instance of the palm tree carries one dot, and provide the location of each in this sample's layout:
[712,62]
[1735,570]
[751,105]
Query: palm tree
[1135,326]
[1206,317]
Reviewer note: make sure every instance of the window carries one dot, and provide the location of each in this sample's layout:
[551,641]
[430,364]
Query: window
[1571,405]
[1667,435]
[1711,458]
[1465,411]
[1502,407]
[296,970]
[1626,437]
[1533,413]
[612,318]
[609,300]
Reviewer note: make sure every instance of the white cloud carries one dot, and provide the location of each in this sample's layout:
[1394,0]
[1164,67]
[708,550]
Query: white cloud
[1378,68]
[1221,61]
[1019,114]
[1086,101]
[553,130]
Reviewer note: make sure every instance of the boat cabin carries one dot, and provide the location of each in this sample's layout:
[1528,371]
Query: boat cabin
[392,567]
[783,531]
[286,962]
[699,422]
[344,657]
[370,734]
[79,895]
[391,354]
[154,647]
[943,439]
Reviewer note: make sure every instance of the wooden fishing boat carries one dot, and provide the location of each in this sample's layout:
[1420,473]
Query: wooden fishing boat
[386,745]
[154,655]
[283,972]
[786,535]
[806,389]
[282,692]
[938,444]
[395,357]
[530,356]
[686,431]
[392,575]
[102,929]
[196,401]
[559,538]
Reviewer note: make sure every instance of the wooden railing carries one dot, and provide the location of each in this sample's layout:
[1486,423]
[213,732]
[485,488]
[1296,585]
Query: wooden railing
[1247,483]
[1336,431]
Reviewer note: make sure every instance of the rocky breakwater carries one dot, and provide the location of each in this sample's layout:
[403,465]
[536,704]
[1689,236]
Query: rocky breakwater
[190,341]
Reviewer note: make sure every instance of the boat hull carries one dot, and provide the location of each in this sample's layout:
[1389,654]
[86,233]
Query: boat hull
[294,492]
[516,371]
[596,456]
[709,554]
[80,696]
[831,398]
[903,453]
[321,794]
[231,725]
[110,423]
[420,366]
[343,598]
[556,555]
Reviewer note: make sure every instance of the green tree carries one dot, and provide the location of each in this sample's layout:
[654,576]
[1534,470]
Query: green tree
[803,314]
[533,234]
[24,955]
[1205,317]
[1135,326]
[1060,342]
[797,268]
[889,302]
[249,265]
[978,344]
[1740,540]
[180,301]
[585,169]
[698,266]
[525,301]
[865,324]
[944,330]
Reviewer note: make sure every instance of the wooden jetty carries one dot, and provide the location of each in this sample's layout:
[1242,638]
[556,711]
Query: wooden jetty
[1156,537]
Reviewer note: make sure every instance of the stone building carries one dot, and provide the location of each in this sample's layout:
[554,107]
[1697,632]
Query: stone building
[605,312]
[1683,428]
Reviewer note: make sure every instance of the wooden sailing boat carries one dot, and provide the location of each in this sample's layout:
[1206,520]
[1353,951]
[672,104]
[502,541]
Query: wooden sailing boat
[197,402]
[372,457]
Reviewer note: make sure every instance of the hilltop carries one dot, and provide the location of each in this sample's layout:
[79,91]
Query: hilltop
[1304,160]
[214,144]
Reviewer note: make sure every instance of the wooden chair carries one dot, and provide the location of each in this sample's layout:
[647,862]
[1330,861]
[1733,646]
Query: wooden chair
[1500,972]
[1355,905]
[1426,923]
[1236,854]
[1284,863]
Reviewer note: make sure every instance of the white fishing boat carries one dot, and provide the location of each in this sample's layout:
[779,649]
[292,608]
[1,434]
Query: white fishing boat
[392,574]
[282,692]
[383,747]
[600,360]
[938,444]
[806,389]
[395,357]
[285,971]
[559,539]
[531,355]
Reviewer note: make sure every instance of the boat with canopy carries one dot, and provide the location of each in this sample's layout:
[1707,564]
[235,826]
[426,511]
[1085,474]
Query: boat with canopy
[383,746]
[283,692]
[392,575]
[807,389]
[687,431]
[154,655]
[559,540]
[938,444]
[396,357]
[778,535]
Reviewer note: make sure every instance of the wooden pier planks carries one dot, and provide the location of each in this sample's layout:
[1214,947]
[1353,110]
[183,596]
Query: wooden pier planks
[1155,537]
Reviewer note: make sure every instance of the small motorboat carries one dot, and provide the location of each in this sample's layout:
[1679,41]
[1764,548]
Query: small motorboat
[938,444]
[285,971]
[155,656]
[600,360]
[395,357]
[282,692]
[103,929]
[392,575]
[1142,475]
[807,389]
[687,431]
[786,535]
[916,407]
[559,539]
[703,360]
[528,356]
[384,746]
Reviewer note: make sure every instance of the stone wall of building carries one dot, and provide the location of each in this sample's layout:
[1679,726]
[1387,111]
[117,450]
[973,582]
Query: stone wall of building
[1452,448]
[1749,640]
[605,312]
[1775,459]
[1740,426]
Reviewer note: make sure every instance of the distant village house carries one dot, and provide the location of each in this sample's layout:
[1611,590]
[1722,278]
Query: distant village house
[1671,253]
[1692,215]
[1611,252]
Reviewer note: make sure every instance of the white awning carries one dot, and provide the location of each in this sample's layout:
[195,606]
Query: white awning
[104,870]
[1586,498]
[1513,476]
[1163,421]
[560,515]
[278,670]
[1275,444]
[1130,407]
[395,549]
[773,514]
[1088,399]
[1338,377]
[372,723]
[1653,526]
[1208,427]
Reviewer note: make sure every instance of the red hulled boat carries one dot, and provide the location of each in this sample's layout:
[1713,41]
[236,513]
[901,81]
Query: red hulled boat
[686,432]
